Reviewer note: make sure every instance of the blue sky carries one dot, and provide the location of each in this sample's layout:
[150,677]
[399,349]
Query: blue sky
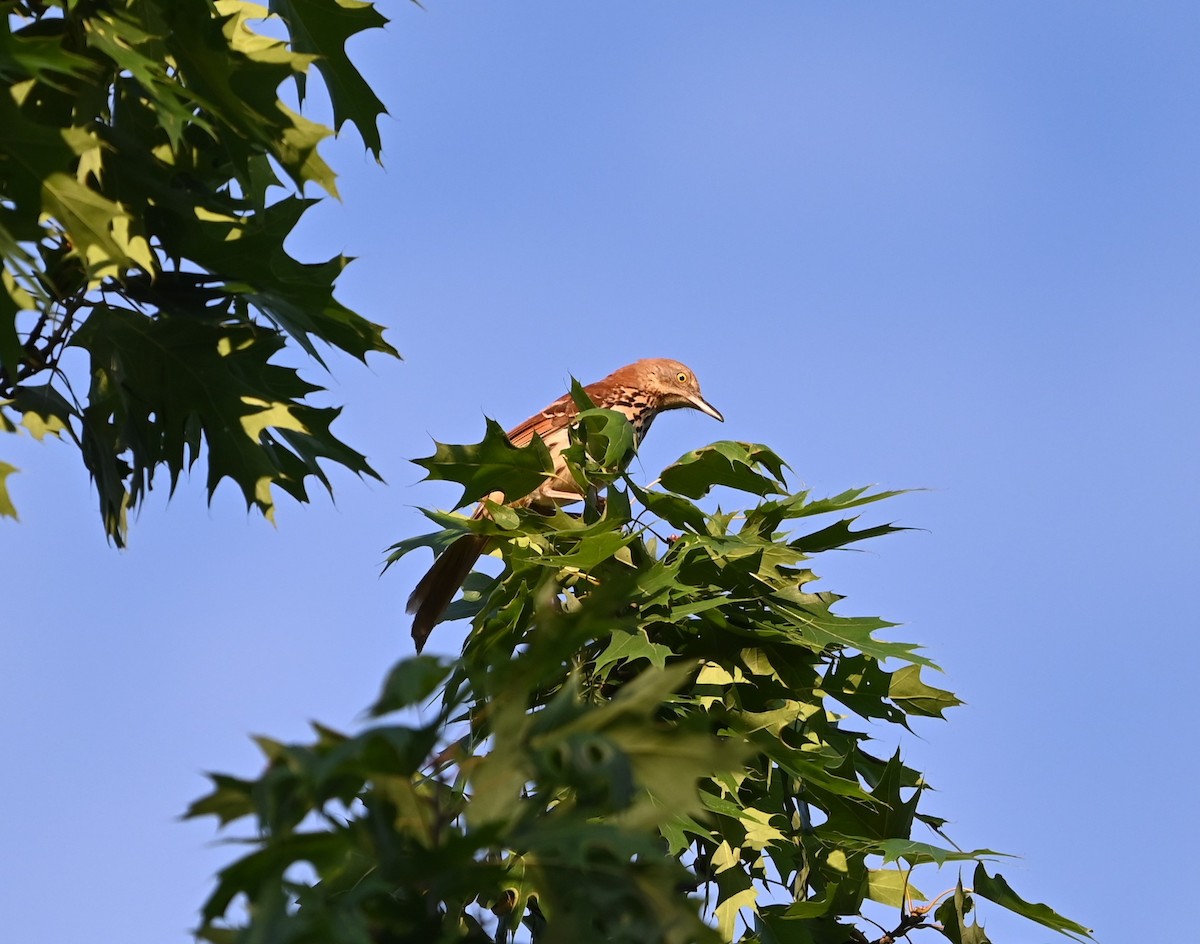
[919,245]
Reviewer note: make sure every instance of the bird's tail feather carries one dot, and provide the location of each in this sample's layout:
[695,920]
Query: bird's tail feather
[437,588]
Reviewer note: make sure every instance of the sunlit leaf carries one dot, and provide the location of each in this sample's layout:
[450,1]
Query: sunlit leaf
[492,465]
[892,887]
[915,697]
[952,915]
[7,508]
[747,467]
[996,889]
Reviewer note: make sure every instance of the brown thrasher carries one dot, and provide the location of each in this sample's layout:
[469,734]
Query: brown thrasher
[641,391]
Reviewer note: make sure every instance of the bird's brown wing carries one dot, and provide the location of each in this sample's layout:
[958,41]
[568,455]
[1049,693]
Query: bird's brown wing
[556,415]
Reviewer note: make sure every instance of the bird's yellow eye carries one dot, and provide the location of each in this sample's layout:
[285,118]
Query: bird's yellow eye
[681,377]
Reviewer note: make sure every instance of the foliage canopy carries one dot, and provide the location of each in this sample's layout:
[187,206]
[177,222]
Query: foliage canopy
[150,174]
[658,731]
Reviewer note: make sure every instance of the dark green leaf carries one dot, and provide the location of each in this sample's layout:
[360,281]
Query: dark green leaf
[44,411]
[998,890]
[747,467]
[409,683]
[136,155]
[673,509]
[160,384]
[323,27]
[952,916]
[231,799]
[492,465]
[839,534]
[251,256]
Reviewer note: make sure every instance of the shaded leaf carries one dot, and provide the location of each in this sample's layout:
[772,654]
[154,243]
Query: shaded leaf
[323,27]
[161,384]
[44,411]
[629,647]
[409,683]
[230,799]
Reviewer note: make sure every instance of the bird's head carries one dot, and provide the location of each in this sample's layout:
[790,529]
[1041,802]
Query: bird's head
[673,384]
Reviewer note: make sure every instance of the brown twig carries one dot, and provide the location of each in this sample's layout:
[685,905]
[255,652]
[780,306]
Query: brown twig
[908,922]
[40,355]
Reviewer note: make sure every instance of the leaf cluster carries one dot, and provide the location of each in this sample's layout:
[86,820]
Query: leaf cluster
[150,175]
[659,730]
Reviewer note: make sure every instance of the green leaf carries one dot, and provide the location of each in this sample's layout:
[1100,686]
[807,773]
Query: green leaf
[250,254]
[137,149]
[37,51]
[631,646]
[679,831]
[322,27]
[237,72]
[734,464]
[99,229]
[44,411]
[892,887]
[952,916]
[915,697]
[736,892]
[267,865]
[492,465]
[998,890]
[7,508]
[819,628]
[839,534]
[137,42]
[673,509]
[615,715]
[231,799]
[606,436]
[851,498]
[917,853]
[409,683]
[161,384]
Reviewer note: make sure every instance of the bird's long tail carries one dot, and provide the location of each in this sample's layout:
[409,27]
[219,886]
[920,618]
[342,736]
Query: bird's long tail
[437,588]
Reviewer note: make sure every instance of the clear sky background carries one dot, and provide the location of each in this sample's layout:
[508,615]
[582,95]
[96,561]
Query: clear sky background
[944,245]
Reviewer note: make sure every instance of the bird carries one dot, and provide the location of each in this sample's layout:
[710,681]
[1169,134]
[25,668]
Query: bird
[640,391]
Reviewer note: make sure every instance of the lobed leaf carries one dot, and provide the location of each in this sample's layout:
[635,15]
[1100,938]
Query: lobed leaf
[915,697]
[747,467]
[160,385]
[492,465]
[322,27]
[995,888]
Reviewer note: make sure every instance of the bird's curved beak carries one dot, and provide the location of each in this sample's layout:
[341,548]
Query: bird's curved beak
[705,407]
